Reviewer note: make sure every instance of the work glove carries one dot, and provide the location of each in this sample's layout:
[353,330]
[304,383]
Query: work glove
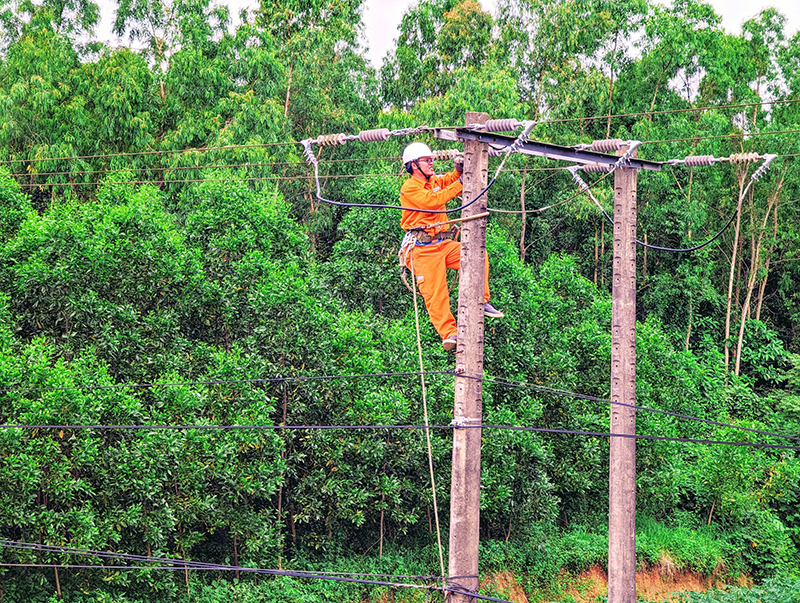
[458,164]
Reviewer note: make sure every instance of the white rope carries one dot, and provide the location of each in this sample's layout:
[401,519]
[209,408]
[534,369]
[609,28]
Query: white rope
[425,416]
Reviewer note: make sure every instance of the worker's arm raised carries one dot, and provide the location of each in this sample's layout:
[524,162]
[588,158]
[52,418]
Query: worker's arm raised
[414,194]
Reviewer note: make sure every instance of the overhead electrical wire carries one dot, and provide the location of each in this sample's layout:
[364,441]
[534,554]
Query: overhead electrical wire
[552,205]
[221,381]
[668,111]
[601,434]
[176,168]
[637,407]
[314,162]
[181,564]
[177,564]
[720,136]
[699,161]
[420,129]
[141,153]
[503,382]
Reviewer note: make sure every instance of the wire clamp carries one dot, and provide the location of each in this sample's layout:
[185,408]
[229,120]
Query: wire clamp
[573,170]
[763,167]
[626,157]
[308,151]
[464,422]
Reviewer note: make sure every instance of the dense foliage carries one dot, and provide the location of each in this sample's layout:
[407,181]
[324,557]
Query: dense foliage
[164,263]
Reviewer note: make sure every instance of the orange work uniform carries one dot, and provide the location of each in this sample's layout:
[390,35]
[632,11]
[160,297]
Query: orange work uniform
[431,260]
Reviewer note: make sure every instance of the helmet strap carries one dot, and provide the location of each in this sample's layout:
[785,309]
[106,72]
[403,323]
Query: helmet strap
[416,162]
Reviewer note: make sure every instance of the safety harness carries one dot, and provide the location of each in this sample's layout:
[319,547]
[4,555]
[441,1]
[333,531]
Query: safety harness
[417,236]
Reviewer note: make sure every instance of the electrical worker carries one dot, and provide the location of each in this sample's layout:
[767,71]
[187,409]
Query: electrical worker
[434,249]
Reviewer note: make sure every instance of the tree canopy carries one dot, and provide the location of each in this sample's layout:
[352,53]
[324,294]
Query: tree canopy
[164,262]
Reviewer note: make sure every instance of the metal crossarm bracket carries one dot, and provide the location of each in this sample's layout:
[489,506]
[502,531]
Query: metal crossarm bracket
[543,149]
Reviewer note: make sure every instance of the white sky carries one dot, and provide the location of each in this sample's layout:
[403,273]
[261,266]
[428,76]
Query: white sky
[382,18]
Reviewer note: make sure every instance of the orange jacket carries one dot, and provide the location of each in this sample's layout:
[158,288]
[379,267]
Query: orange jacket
[433,194]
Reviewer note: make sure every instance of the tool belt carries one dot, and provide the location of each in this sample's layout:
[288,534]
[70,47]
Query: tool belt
[424,237]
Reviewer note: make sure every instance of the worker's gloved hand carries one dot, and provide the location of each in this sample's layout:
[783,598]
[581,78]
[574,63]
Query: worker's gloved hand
[458,164]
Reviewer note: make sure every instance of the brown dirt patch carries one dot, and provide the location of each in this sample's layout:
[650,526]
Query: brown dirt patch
[658,584]
[506,583]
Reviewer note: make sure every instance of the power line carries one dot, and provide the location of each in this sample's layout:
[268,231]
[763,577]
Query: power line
[167,168]
[634,406]
[426,129]
[601,434]
[191,180]
[504,382]
[178,564]
[552,205]
[223,381]
[740,135]
[668,111]
[164,152]
[163,181]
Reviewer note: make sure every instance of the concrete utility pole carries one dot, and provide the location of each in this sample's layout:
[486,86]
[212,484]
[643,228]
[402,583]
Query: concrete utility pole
[622,466]
[466,476]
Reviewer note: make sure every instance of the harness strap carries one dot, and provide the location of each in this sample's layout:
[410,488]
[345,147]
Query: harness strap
[424,237]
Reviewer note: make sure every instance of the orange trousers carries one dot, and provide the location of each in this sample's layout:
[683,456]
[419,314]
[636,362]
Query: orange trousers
[430,263]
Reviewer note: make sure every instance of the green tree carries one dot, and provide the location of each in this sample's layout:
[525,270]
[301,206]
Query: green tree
[437,39]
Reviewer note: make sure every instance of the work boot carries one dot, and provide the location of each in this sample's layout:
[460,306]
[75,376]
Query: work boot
[492,312]
[449,344]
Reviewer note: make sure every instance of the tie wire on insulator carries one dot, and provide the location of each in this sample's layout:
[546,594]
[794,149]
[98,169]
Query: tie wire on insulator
[610,145]
[446,154]
[515,146]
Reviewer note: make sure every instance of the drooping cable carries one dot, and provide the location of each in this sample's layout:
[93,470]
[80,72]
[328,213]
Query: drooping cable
[636,407]
[768,159]
[312,159]
[314,162]
[219,382]
[504,382]
[198,566]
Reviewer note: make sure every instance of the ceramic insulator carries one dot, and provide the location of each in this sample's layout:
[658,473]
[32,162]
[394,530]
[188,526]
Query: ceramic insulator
[443,154]
[744,157]
[374,135]
[699,160]
[596,167]
[502,125]
[605,146]
[330,140]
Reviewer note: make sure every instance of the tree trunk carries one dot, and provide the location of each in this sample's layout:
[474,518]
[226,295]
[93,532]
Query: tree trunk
[236,555]
[596,253]
[380,547]
[756,243]
[763,285]
[774,207]
[733,271]
[689,328]
[522,202]
[288,92]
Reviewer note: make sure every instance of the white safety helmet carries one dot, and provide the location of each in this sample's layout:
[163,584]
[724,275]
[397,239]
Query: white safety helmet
[414,151]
